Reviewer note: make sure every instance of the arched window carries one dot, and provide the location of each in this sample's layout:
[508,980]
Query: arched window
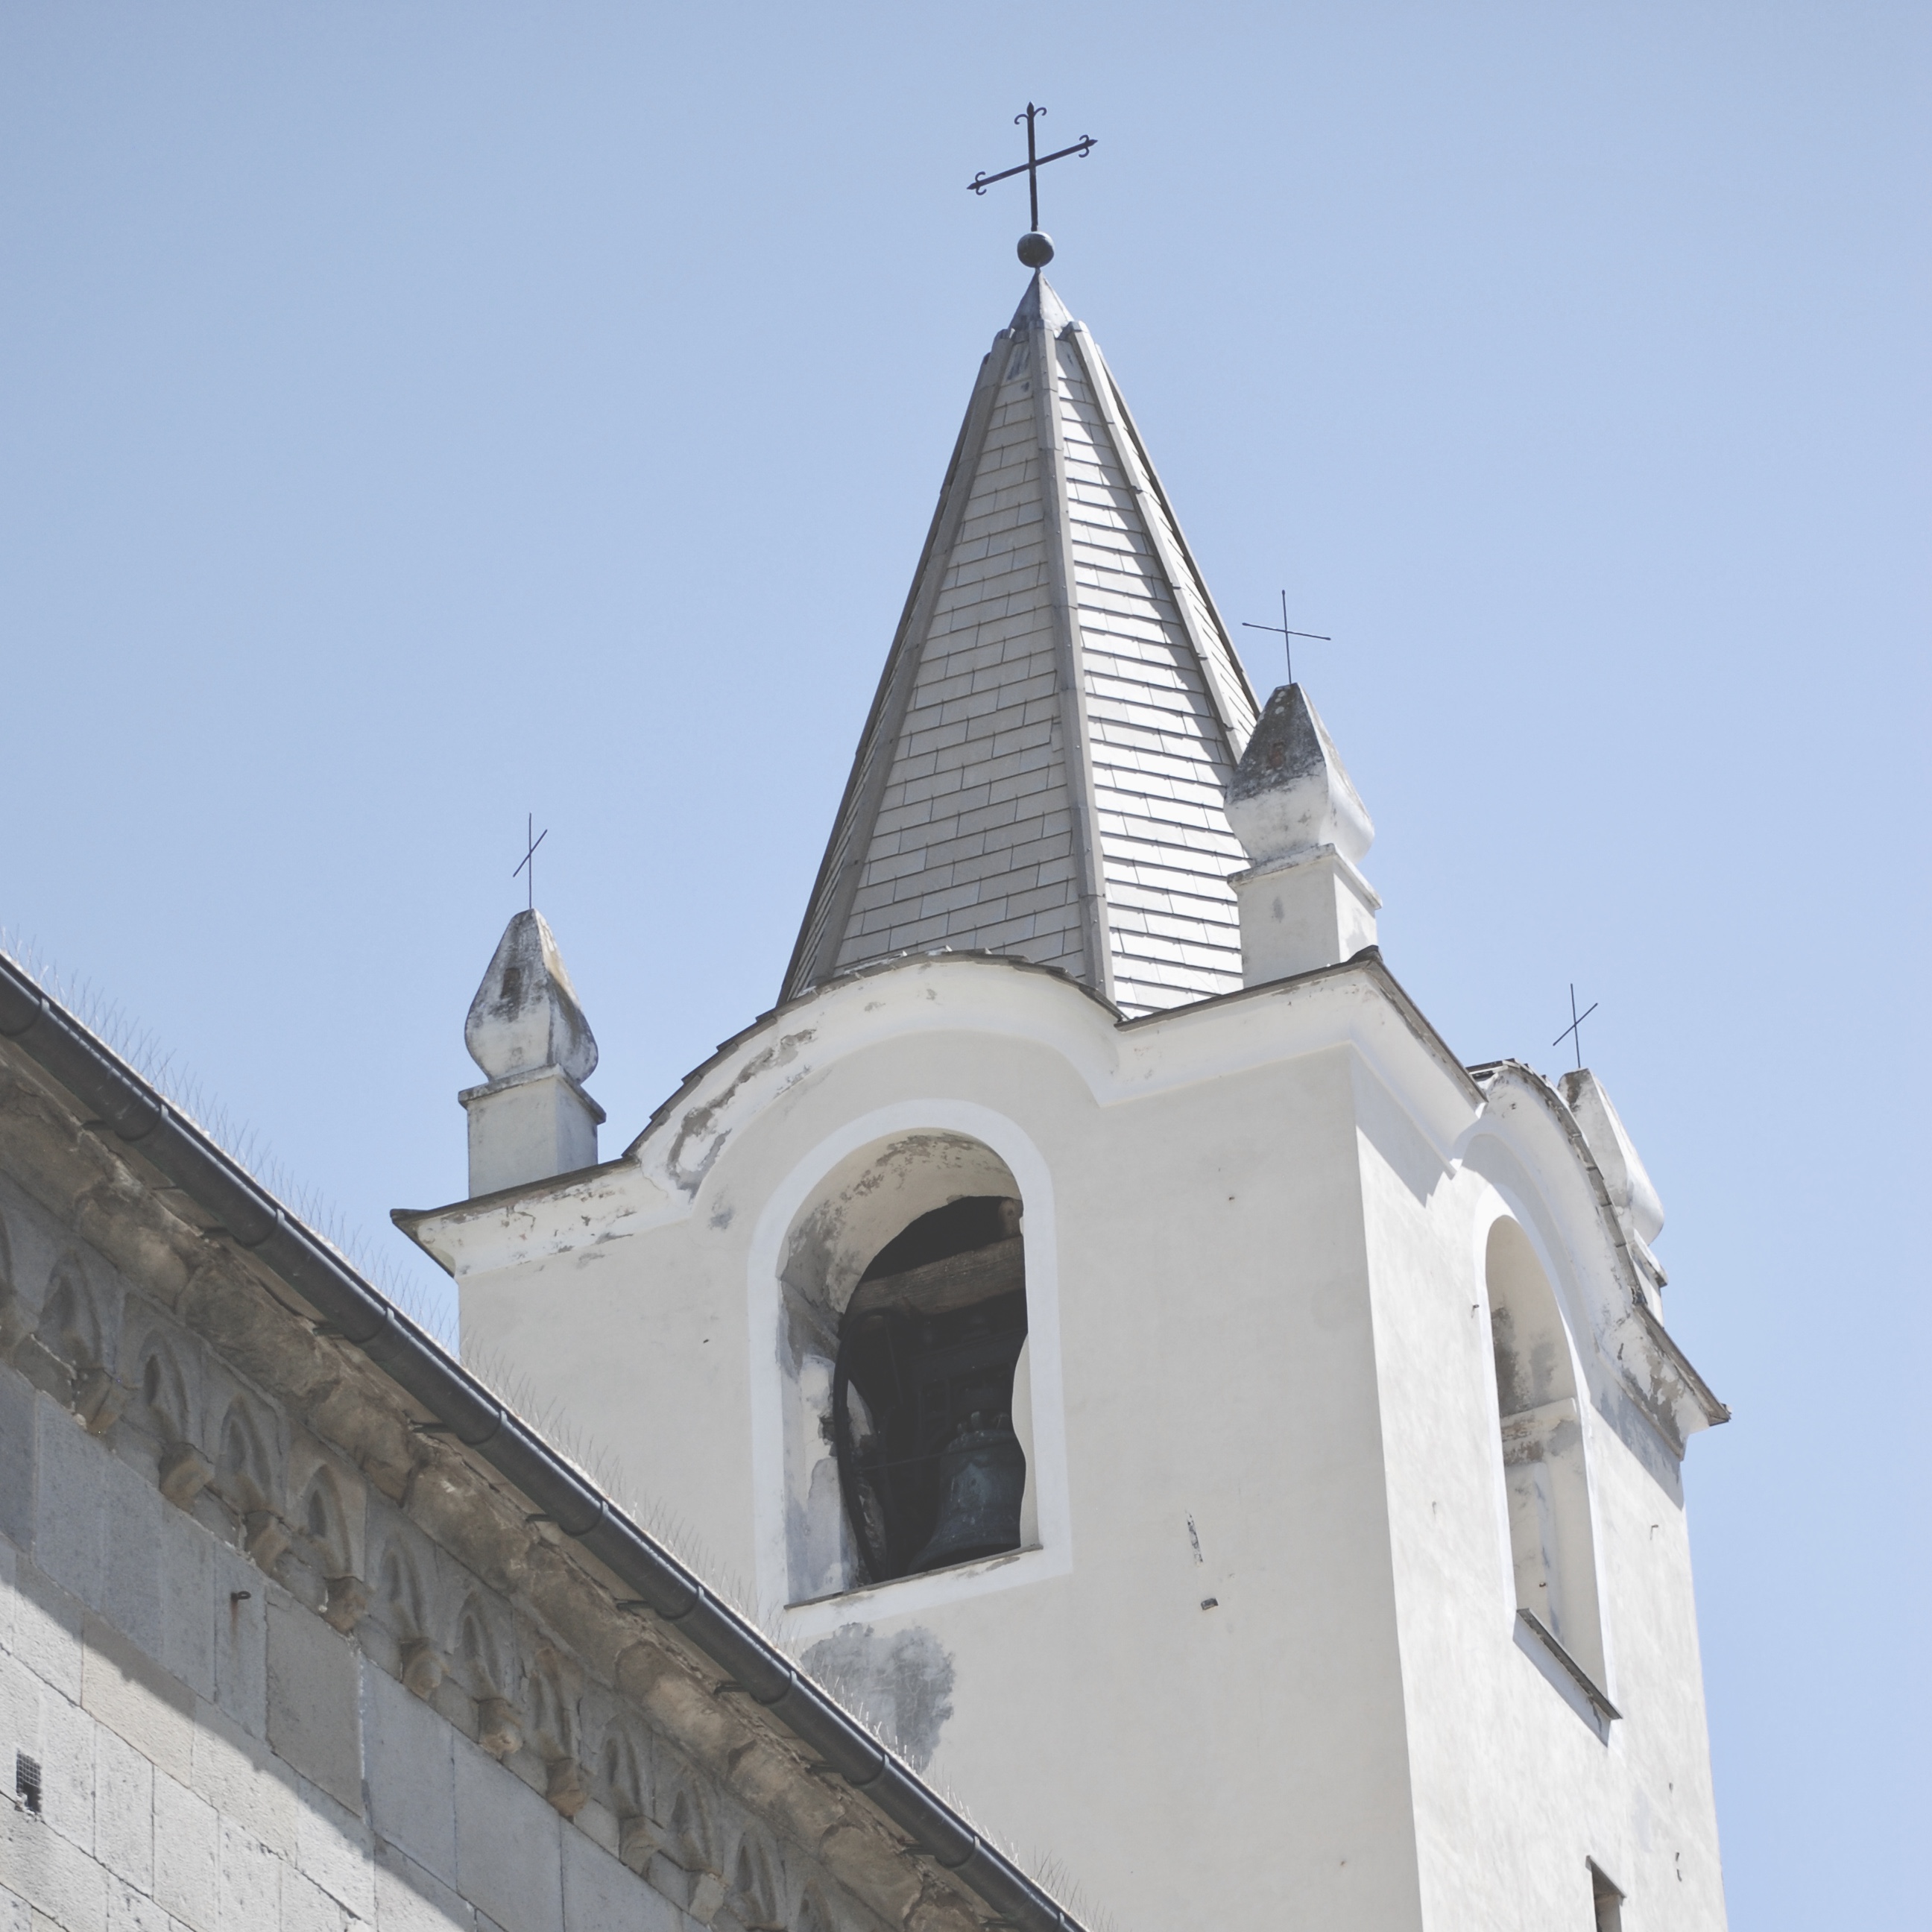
[1552,1547]
[931,1471]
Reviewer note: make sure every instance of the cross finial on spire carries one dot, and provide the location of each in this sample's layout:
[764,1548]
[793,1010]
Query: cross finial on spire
[1036,249]
[530,859]
[1287,636]
[1573,1032]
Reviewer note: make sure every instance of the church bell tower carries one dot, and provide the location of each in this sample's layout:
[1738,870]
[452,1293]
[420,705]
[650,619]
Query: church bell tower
[1231,1446]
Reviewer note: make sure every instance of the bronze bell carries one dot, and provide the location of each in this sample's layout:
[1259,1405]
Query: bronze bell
[981,1478]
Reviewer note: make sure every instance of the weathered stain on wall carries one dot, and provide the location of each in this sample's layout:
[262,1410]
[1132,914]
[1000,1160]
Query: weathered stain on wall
[700,1126]
[901,1685]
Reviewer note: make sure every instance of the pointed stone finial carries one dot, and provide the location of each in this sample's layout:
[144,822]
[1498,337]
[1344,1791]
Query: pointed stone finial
[531,1119]
[1302,822]
[1291,793]
[525,1013]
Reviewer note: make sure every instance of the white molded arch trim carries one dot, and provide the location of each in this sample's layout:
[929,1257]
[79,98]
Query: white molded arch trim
[1553,1545]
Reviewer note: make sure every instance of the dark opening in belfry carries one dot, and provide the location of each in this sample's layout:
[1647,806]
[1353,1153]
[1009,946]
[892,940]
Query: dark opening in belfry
[931,1471]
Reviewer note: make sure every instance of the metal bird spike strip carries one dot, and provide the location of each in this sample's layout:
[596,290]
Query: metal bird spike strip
[530,859]
[1287,636]
[1574,1031]
[1033,163]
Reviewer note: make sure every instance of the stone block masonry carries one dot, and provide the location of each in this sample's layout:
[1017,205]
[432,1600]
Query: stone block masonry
[340,1799]
[333,1676]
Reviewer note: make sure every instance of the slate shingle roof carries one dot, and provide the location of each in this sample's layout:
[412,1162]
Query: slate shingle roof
[1044,768]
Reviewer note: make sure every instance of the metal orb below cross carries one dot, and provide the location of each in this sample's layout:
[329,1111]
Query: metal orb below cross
[1035,249]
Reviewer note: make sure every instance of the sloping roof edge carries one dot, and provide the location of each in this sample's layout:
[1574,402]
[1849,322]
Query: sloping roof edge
[837,880]
[150,1126]
[889,962]
[1222,668]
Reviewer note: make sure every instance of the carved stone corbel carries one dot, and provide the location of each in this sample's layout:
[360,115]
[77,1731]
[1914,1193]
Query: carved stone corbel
[566,1790]
[707,1895]
[265,1536]
[639,1839]
[98,1401]
[185,1473]
[498,1730]
[423,1669]
[348,1603]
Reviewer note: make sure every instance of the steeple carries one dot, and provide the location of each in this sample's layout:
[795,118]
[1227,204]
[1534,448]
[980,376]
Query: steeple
[1044,769]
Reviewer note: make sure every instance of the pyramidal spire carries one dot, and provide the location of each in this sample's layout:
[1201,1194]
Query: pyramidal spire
[1044,768]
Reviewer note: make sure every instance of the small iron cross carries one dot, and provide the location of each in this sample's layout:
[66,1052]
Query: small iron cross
[529,858]
[1287,636]
[1033,163]
[1573,1032]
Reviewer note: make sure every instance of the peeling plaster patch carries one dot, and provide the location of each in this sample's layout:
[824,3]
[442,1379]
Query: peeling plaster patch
[901,1685]
[699,1122]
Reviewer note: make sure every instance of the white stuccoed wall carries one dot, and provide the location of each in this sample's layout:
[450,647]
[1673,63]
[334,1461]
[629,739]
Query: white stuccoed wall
[1255,1236]
[1510,1782]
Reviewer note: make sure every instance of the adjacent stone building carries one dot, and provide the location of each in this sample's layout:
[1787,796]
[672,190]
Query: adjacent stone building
[300,1628]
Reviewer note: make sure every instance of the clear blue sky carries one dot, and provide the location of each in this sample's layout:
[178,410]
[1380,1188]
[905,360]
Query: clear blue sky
[415,414]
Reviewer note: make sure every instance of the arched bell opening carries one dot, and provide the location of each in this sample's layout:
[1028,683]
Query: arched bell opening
[931,1470]
[908,1428]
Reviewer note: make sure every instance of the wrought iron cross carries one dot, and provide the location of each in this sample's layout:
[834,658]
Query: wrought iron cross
[1287,636]
[1033,163]
[1573,1032]
[529,858]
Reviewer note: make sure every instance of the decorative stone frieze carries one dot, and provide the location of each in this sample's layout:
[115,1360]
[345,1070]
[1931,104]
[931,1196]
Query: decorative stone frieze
[281,1469]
